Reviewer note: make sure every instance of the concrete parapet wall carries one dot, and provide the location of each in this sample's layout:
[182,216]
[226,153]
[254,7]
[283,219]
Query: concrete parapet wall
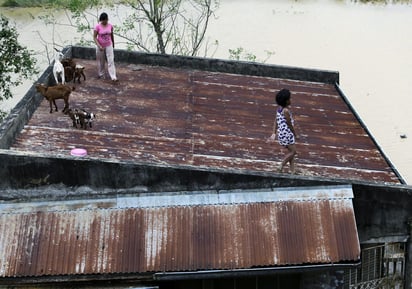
[22,112]
[217,65]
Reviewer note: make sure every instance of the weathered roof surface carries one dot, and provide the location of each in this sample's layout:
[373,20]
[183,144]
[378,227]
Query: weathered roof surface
[267,228]
[161,115]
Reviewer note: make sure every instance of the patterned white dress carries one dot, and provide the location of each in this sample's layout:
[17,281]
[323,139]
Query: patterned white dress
[285,135]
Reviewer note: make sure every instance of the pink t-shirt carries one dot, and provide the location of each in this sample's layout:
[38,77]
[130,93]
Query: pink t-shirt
[104,34]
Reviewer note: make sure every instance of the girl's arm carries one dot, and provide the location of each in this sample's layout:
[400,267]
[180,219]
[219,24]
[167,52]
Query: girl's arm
[289,121]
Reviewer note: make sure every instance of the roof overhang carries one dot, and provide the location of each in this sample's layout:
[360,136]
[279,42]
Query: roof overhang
[238,273]
[202,234]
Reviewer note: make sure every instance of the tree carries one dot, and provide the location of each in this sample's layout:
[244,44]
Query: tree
[16,61]
[161,26]
[179,26]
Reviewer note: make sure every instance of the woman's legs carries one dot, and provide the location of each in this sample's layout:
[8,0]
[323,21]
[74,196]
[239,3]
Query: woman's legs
[100,59]
[290,157]
[110,62]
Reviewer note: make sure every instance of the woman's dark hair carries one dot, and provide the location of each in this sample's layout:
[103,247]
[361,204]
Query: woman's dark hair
[282,97]
[103,17]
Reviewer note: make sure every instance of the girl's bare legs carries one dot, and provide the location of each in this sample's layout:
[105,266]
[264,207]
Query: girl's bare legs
[290,157]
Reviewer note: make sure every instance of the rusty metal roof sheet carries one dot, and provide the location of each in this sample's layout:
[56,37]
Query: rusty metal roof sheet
[171,116]
[279,229]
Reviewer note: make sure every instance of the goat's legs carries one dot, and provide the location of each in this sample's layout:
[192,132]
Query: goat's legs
[55,76]
[51,107]
[66,105]
[55,106]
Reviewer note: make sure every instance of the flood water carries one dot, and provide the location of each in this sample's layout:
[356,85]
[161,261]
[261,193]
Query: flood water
[369,44]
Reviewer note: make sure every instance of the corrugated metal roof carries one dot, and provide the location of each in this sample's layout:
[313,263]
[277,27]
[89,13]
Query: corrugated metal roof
[170,116]
[313,230]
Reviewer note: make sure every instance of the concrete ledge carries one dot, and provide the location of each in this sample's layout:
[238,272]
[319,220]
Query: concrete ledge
[26,171]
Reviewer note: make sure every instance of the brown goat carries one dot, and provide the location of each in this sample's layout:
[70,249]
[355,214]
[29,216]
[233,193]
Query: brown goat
[68,73]
[69,68]
[68,62]
[72,70]
[51,93]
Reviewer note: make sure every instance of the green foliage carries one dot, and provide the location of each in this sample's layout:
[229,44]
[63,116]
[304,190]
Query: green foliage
[24,3]
[241,54]
[16,61]
[79,6]
[3,114]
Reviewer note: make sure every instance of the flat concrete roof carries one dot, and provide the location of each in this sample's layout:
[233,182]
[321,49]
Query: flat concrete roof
[208,120]
[178,124]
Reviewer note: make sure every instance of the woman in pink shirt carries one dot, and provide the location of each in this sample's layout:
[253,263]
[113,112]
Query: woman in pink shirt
[103,37]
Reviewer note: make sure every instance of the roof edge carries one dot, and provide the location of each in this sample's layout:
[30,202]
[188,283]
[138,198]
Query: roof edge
[172,276]
[144,200]
[76,279]
[215,65]
[362,123]
[21,182]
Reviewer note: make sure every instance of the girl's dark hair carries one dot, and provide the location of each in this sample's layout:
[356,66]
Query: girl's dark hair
[282,97]
[103,17]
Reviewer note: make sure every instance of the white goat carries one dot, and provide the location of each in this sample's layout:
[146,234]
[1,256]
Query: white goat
[58,69]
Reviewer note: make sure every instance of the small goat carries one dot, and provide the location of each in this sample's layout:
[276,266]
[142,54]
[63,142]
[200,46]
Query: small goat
[58,69]
[74,115]
[69,68]
[78,72]
[86,118]
[51,93]
[73,70]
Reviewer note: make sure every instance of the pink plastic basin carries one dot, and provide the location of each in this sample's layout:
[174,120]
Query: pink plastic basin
[78,152]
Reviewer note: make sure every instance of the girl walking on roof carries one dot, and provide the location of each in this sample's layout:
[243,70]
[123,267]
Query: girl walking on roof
[284,129]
